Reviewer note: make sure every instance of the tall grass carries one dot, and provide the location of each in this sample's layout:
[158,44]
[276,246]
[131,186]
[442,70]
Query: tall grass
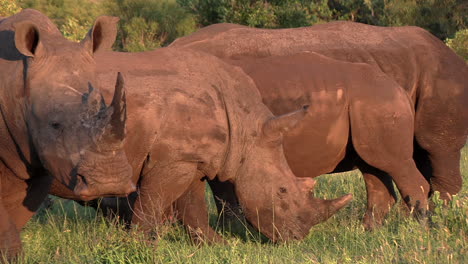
[69,233]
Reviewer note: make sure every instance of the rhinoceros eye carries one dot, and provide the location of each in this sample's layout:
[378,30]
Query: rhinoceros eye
[56,125]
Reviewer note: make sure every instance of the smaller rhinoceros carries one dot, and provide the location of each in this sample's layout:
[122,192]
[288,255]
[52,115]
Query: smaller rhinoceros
[54,121]
[193,117]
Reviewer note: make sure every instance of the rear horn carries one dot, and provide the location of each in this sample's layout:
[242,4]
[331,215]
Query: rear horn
[284,123]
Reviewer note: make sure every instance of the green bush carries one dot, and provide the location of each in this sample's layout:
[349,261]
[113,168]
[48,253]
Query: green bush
[8,8]
[207,12]
[147,24]
[441,17]
[259,13]
[460,43]
[73,17]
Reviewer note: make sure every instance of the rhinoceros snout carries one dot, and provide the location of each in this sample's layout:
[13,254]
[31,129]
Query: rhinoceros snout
[88,192]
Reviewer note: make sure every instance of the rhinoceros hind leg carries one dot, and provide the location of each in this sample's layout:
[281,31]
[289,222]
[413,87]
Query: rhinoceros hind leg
[192,210]
[384,140]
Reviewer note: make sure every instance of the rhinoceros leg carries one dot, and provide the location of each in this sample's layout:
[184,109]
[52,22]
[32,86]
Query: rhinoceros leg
[25,197]
[446,177]
[229,209]
[10,243]
[441,126]
[18,202]
[440,163]
[159,189]
[383,138]
[381,195]
[193,212]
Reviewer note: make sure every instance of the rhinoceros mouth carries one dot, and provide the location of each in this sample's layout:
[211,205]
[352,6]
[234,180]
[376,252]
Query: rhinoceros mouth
[88,192]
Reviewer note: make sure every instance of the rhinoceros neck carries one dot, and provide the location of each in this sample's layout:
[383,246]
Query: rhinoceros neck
[244,109]
[14,137]
[15,141]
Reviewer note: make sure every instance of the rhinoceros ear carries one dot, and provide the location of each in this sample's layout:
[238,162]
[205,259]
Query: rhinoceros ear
[102,35]
[274,127]
[27,39]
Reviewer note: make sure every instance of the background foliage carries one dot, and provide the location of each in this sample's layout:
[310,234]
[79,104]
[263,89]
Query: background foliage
[148,24]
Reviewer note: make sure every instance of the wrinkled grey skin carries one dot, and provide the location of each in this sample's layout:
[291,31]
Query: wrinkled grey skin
[53,121]
[193,117]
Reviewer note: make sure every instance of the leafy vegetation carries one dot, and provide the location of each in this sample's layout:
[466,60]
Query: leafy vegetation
[74,18]
[8,8]
[460,43]
[148,24]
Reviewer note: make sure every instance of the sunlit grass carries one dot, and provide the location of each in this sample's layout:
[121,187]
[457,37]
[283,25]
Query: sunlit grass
[69,233]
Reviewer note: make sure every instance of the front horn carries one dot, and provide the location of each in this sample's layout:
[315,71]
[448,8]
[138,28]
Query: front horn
[283,123]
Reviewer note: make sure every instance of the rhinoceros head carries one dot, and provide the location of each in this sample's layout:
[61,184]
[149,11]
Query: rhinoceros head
[279,204]
[78,138]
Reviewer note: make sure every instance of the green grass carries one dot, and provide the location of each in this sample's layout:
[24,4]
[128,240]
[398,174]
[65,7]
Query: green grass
[69,233]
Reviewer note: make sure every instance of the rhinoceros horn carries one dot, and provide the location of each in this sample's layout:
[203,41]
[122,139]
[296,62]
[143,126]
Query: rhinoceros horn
[119,106]
[324,208]
[109,125]
[94,100]
[283,123]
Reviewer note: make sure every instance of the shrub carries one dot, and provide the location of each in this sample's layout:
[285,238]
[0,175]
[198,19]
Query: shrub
[73,17]
[8,8]
[460,43]
[147,24]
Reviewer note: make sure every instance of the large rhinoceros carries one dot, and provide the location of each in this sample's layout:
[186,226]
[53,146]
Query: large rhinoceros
[193,117]
[53,120]
[434,77]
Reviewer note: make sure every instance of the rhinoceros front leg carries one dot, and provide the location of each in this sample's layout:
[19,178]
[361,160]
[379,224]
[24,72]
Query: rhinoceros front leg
[18,202]
[441,166]
[381,195]
[229,209]
[159,189]
[10,243]
[441,129]
[193,212]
